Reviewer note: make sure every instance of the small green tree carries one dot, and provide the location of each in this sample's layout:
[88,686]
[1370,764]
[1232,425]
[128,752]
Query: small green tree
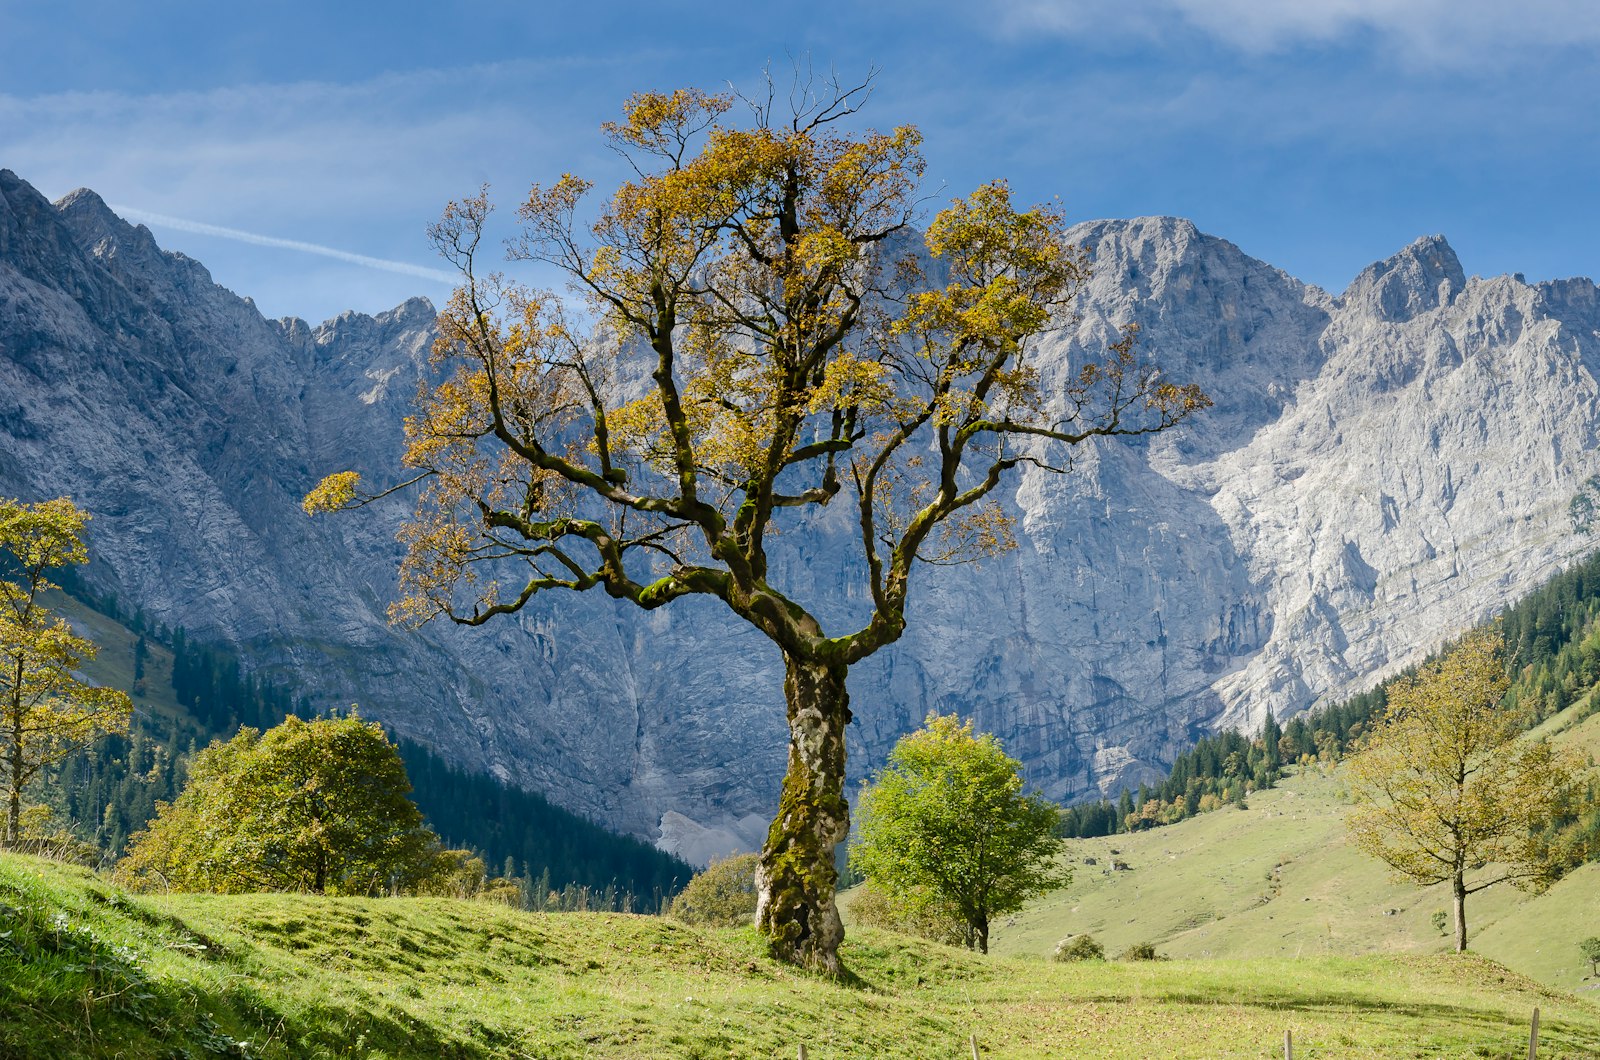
[318,806]
[1590,948]
[46,707]
[947,821]
[723,895]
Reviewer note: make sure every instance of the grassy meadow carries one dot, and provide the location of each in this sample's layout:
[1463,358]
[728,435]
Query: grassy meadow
[1279,880]
[1271,921]
[87,971]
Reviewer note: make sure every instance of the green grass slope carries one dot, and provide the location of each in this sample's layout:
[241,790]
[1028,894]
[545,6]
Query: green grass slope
[1280,880]
[86,971]
[113,664]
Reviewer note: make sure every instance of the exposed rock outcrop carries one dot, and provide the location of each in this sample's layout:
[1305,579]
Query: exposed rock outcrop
[1381,470]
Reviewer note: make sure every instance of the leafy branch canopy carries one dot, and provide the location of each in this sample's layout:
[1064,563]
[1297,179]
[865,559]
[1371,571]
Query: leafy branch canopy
[765,331]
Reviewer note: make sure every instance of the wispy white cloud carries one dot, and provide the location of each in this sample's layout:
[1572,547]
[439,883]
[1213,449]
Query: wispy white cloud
[1320,123]
[201,228]
[361,165]
[1430,32]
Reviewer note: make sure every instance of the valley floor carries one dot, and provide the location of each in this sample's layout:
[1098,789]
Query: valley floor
[87,971]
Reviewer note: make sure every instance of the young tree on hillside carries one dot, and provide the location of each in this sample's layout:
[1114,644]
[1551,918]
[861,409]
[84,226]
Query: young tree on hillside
[320,806]
[946,823]
[46,708]
[1446,793]
[771,337]
[1590,948]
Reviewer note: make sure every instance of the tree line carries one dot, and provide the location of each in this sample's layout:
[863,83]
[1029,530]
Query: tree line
[554,858]
[1218,771]
[1552,639]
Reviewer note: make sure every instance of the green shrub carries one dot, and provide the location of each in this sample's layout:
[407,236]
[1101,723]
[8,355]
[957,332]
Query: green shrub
[1439,919]
[921,917]
[724,895]
[1080,948]
[1141,951]
[462,874]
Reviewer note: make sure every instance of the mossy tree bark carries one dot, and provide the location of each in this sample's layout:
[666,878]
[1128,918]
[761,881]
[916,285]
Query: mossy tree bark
[795,882]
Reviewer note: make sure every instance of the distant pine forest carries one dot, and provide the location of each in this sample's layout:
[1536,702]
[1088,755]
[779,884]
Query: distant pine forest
[1553,639]
[109,790]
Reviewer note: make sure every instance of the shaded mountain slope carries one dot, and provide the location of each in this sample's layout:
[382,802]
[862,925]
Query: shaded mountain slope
[1382,469]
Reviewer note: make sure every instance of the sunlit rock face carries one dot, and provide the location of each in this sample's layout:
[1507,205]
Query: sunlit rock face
[1381,470]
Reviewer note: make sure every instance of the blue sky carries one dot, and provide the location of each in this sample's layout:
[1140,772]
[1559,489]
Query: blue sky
[1319,135]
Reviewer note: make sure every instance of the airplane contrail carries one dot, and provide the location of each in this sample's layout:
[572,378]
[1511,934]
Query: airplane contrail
[133,213]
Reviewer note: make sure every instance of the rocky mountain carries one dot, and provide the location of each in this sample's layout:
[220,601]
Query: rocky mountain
[1381,469]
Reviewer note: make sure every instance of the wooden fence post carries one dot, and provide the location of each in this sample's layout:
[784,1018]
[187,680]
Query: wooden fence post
[1288,1045]
[802,1052]
[972,1040]
[1533,1037]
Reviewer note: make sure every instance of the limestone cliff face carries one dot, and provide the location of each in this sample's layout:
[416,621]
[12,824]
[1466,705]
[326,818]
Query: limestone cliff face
[1382,469]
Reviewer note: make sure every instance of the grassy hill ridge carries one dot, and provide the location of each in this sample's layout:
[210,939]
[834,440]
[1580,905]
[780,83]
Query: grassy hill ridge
[1278,879]
[87,971]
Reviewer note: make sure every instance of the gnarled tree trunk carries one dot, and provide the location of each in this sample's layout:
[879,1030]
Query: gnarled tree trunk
[1460,908]
[796,879]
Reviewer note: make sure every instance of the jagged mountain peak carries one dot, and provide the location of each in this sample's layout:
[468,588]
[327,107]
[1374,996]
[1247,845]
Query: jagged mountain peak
[354,331]
[1423,276]
[414,313]
[86,209]
[1213,314]
[1114,240]
[1171,258]
[129,250]
[37,245]
[1578,293]
[1154,227]
[416,307]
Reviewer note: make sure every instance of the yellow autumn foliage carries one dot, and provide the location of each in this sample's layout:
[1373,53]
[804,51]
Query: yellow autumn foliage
[754,332]
[1447,793]
[46,707]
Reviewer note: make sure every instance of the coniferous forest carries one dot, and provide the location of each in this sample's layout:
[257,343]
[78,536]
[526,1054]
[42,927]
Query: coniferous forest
[109,790]
[1552,641]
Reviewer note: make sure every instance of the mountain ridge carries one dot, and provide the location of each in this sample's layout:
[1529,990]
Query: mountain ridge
[1381,467]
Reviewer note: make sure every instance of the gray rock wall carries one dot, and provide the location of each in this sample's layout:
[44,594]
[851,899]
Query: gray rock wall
[1381,470]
